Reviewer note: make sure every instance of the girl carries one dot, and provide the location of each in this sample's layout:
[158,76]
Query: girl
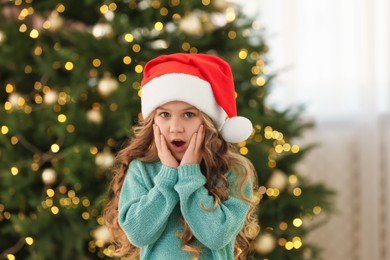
[180,191]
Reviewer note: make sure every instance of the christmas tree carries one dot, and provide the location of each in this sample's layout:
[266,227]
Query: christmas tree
[70,76]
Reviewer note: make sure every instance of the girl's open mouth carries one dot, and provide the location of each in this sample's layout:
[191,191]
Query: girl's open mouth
[178,145]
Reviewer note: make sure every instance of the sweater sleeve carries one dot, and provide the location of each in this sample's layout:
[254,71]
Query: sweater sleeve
[143,211]
[213,227]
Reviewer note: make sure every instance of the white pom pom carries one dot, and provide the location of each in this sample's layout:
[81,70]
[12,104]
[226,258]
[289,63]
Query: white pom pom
[236,129]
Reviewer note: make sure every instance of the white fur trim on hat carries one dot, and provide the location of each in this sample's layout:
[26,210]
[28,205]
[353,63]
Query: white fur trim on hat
[181,87]
[236,129]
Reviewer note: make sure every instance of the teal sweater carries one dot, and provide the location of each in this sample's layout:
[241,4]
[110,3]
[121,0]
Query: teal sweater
[154,196]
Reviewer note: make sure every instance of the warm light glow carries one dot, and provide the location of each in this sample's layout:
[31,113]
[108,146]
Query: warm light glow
[93,150]
[96,63]
[295,149]
[129,37]
[9,88]
[50,193]
[61,118]
[138,69]
[244,150]
[55,210]
[4,130]
[158,26]
[34,34]
[14,171]
[317,210]
[29,240]
[293,179]
[60,8]
[243,54]
[297,192]
[127,60]
[297,222]
[136,48]
[69,65]
[55,148]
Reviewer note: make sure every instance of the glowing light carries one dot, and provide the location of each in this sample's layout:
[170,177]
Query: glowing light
[158,26]
[29,240]
[50,192]
[127,60]
[34,33]
[10,257]
[4,130]
[85,215]
[96,63]
[289,245]
[297,192]
[61,118]
[243,54]
[69,65]
[60,8]
[55,148]
[103,9]
[244,150]
[317,210]
[260,81]
[136,48]
[70,128]
[129,37]
[283,226]
[292,179]
[295,149]
[164,11]
[23,28]
[9,88]
[55,210]
[14,140]
[14,171]
[93,150]
[138,69]
[205,2]
[230,14]
[297,222]
[232,35]
[122,77]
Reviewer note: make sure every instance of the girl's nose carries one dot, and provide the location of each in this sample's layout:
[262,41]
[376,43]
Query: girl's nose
[176,125]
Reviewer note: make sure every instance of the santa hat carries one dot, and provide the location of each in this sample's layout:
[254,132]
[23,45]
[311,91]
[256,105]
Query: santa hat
[202,80]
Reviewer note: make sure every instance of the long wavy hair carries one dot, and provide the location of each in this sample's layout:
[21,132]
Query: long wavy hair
[218,158]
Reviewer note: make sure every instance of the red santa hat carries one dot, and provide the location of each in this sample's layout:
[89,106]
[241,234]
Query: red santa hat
[202,80]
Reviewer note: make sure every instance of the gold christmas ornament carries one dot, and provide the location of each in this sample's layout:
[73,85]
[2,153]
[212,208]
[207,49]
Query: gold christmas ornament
[102,234]
[191,24]
[50,97]
[49,176]
[107,85]
[278,180]
[55,21]
[94,116]
[101,30]
[265,244]
[104,160]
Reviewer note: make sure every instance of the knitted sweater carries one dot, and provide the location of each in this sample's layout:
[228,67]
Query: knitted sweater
[154,196]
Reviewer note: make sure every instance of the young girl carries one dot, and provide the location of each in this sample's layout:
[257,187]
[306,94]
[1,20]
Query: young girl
[180,191]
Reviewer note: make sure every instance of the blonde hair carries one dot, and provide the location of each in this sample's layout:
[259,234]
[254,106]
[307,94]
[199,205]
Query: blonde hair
[219,157]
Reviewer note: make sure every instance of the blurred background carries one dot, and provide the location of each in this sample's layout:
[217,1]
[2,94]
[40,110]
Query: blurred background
[311,75]
[334,56]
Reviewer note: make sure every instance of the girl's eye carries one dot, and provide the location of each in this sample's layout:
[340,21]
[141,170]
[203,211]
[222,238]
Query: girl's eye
[189,115]
[164,114]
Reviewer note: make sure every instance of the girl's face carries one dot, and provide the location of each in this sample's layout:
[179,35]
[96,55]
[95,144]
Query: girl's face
[178,121]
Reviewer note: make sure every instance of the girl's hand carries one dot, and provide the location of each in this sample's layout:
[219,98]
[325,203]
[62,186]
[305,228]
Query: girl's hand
[194,155]
[164,153]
